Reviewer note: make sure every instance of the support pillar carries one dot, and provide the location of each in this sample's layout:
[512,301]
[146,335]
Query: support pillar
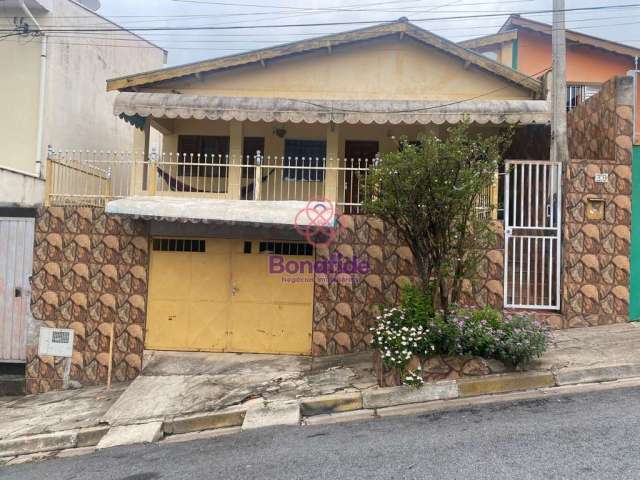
[235,159]
[331,176]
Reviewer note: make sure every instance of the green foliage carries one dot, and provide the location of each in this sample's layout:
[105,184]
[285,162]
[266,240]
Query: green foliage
[414,328]
[429,192]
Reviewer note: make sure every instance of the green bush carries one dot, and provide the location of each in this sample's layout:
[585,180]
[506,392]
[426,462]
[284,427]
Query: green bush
[414,328]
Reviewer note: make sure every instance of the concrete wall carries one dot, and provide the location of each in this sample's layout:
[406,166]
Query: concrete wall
[78,110]
[386,68]
[20,189]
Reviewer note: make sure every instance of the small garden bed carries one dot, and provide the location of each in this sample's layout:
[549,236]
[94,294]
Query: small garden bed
[415,344]
[438,367]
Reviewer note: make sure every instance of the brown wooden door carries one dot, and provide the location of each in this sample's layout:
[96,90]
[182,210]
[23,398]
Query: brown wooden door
[359,154]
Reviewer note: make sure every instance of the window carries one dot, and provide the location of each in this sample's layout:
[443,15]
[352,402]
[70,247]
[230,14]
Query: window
[202,149]
[577,94]
[179,245]
[287,248]
[305,159]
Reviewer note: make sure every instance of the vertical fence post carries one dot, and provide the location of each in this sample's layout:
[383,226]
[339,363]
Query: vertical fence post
[153,173]
[48,184]
[257,181]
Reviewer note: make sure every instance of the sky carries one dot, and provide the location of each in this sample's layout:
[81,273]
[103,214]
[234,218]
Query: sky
[185,46]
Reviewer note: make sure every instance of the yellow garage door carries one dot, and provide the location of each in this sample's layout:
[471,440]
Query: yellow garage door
[218,296]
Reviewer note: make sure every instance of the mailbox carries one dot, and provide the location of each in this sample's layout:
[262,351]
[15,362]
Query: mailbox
[595,208]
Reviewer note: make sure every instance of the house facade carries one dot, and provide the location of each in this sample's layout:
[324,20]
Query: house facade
[52,89]
[525,45]
[244,231]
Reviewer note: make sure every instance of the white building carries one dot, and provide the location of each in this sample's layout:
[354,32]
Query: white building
[53,86]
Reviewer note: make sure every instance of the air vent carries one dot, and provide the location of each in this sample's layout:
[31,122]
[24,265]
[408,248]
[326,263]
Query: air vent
[56,342]
[179,245]
[287,248]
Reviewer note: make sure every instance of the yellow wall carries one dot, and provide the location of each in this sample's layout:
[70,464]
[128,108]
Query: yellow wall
[387,68]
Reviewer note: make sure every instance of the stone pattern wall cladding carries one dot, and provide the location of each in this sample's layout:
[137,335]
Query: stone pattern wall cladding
[437,368]
[596,252]
[90,269]
[345,307]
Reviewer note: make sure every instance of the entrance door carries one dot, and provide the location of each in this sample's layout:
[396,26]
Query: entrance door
[218,295]
[16,257]
[359,156]
[532,234]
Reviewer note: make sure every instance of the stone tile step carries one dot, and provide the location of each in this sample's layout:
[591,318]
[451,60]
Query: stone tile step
[130,434]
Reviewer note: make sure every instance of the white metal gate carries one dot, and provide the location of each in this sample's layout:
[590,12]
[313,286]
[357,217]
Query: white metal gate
[16,256]
[532,218]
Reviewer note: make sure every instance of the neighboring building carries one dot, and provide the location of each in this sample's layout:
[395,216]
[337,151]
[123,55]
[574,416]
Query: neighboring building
[52,92]
[52,85]
[525,45]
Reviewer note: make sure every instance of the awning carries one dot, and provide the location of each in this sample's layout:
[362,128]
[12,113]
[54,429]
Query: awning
[280,110]
[286,214]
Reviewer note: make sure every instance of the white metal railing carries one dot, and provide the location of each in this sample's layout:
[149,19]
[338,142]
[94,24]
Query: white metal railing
[78,177]
[92,178]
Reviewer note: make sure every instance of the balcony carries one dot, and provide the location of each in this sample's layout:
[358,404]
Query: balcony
[95,178]
[84,178]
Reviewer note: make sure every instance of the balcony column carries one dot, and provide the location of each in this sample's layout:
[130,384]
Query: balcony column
[331,178]
[142,174]
[235,159]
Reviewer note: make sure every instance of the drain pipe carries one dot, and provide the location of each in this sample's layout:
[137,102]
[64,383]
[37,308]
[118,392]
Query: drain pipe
[42,89]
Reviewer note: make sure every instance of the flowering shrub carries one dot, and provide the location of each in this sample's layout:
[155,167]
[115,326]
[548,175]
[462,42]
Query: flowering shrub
[413,328]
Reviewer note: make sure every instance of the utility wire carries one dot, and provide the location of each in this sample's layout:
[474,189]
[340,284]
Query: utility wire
[414,110]
[215,37]
[361,22]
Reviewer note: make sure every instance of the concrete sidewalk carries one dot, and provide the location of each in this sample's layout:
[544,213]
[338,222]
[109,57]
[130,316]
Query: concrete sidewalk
[180,393]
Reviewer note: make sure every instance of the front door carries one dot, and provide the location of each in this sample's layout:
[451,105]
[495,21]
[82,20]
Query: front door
[359,156]
[16,255]
[218,295]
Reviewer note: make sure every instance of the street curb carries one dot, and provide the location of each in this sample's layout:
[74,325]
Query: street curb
[204,421]
[48,442]
[45,442]
[503,383]
[596,374]
[337,402]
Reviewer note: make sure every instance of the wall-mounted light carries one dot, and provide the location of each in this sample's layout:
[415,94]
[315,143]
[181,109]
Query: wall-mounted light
[279,132]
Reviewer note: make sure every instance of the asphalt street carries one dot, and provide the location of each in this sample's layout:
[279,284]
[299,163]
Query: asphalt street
[591,435]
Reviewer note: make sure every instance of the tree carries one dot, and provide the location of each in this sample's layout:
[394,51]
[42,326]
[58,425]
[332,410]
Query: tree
[429,192]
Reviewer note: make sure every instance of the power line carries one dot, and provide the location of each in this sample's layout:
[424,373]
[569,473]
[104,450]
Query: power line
[414,110]
[318,24]
[201,39]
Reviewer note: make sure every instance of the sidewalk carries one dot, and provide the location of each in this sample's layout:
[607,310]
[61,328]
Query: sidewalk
[178,394]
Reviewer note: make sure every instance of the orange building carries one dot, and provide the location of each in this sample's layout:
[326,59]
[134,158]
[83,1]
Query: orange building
[525,45]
